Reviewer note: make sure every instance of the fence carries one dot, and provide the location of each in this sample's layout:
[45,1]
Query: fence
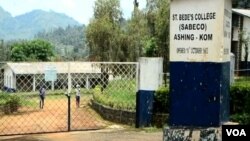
[111,84]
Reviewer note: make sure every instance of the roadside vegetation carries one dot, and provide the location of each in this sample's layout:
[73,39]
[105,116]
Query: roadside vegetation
[240,102]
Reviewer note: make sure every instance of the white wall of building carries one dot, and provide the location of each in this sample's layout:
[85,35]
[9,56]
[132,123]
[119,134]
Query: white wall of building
[9,78]
[246,30]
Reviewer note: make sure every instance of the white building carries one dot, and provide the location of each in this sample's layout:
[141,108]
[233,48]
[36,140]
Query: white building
[241,26]
[30,76]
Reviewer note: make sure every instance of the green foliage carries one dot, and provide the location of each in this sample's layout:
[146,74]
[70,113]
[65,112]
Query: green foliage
[151,48]
[5,50]
[9,103]
[161,100]
[69,42]
[240,102]
[111,38]
[2,50]
[158,17]
[162,30]
[109,9]
[243,119]
[240,95]
[103,32]
[117,98]
[137,33]
[35,50]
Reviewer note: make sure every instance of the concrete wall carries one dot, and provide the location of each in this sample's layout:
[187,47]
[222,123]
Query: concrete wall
[114,115]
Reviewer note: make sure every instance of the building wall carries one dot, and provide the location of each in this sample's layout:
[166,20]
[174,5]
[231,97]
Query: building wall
[9,80]
[246,30]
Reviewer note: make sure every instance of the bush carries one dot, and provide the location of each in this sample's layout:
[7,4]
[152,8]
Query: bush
[9,103]
[240,102]
[239,98]
[161,100]
[243,119]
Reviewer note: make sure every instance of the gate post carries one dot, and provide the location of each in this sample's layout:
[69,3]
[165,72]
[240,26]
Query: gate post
[69,112]
[150,78]
[200,41]
[68,96]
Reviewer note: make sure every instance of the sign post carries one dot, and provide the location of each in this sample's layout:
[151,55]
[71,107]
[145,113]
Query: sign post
[200,40]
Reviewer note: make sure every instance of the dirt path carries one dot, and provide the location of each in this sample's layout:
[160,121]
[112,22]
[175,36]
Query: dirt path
[53,118]
[99,135]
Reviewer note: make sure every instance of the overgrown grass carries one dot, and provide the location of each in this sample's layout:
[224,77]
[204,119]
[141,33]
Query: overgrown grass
[119,94]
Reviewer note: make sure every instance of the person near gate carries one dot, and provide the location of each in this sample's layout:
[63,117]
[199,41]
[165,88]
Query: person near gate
[42,93]
[78,96]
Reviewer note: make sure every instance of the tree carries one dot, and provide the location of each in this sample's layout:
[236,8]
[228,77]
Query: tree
[158,15]
[162,27]
[137,33]
[35,50]
[151,48]
[70,40]
[102,34]
[4,50]
[151,9]
[146,34]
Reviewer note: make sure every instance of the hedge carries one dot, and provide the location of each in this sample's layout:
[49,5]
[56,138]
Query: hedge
[240,102]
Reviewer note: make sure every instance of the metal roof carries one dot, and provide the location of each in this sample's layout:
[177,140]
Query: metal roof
[61,67]
[243,12]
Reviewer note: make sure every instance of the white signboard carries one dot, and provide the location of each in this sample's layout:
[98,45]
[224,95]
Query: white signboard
[200,30]
[50,73]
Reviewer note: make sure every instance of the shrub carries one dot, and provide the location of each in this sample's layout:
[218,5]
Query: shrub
[9,103]
[161,100]
[240,102]
[239,98]
[243,119]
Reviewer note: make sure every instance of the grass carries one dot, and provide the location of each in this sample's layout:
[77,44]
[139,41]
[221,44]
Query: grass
[119,94]
[30,99]
[242,79]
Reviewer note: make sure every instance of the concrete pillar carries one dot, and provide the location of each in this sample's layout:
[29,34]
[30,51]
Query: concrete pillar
[87,85]
[200,41]
[149,81]
[34,82]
